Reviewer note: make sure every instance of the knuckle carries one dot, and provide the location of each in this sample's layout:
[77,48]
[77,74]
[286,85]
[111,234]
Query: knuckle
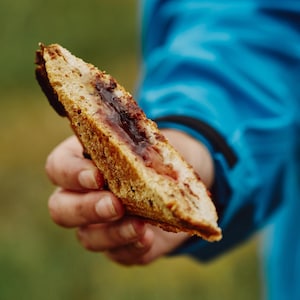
[87,240]
[89,246]
[50,168]
[54,210]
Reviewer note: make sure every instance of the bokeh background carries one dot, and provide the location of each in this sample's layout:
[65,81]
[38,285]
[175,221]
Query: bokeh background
[39,260]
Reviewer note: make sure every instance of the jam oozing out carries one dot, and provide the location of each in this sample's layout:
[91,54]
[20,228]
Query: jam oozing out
[124,117]
[126,120]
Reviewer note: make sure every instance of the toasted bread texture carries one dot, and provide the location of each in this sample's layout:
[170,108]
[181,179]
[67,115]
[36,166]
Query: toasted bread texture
[140,166]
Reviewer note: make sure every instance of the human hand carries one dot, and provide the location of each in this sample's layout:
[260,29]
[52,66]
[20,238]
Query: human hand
[81,202]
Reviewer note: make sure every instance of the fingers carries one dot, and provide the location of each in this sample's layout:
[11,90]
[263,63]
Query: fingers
[104,237]
[153,244]
[66,167]
[73,209]
[126,242]
[130,241]
[99,215]
[139,252]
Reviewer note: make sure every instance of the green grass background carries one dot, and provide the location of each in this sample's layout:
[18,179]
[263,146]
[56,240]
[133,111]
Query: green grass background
[39,260]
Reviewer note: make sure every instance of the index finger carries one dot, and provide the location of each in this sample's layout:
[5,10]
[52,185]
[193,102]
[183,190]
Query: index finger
[66,167]
[71,209]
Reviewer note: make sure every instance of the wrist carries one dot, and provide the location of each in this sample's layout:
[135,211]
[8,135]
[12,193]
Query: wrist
[194,152]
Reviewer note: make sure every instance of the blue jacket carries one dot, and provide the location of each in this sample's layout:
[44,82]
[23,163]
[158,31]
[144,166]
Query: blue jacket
[228,73]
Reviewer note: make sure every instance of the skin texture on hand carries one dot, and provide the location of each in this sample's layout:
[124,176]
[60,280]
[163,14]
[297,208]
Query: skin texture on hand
[80,201]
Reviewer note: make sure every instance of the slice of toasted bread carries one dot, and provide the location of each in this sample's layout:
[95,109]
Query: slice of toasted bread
[140,166]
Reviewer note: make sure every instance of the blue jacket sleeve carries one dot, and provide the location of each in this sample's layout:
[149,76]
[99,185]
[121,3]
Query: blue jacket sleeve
[226,72]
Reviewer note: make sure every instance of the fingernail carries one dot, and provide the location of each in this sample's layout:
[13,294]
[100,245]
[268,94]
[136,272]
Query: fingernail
[139,245]
[128,231]
[87,179]
[105,209]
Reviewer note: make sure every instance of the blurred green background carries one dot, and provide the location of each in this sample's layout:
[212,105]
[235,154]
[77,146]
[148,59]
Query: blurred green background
[39,260]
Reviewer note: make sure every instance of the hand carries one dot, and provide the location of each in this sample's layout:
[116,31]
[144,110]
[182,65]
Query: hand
[81,202]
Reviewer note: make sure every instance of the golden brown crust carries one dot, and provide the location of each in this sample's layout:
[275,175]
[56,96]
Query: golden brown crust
[140,166]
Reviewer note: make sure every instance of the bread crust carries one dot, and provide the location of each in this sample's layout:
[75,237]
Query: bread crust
[141,168]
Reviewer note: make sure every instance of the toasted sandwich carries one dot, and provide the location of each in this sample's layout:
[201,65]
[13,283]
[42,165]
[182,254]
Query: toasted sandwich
[140,166]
